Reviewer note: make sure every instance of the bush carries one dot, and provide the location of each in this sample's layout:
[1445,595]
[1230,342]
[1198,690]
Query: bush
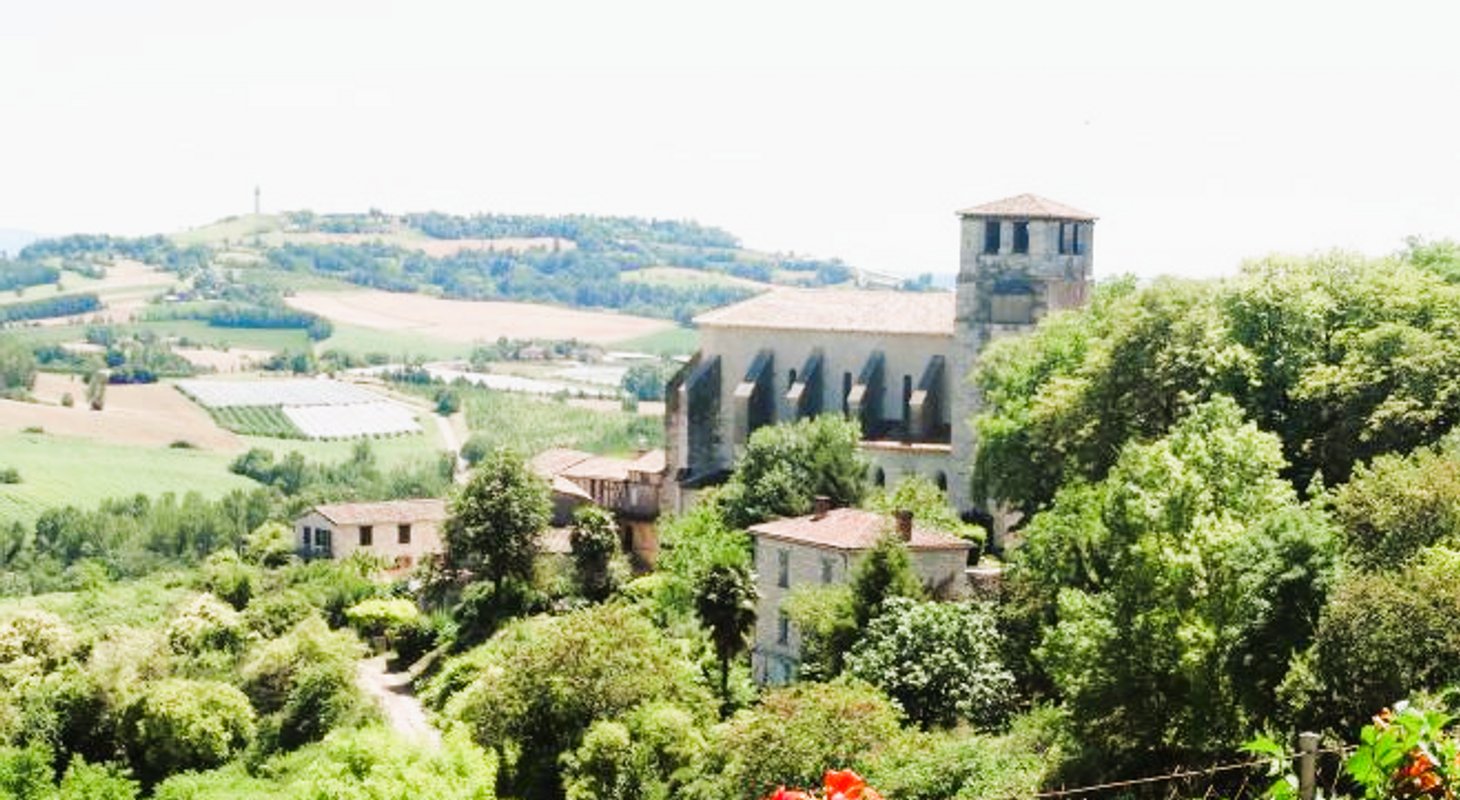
[206,625]
[178,725]
[795,734]
[67,400]
[651,753]
[940,661]
[543,682]
[381,617]
[9,475]
[226,576]
[375,763]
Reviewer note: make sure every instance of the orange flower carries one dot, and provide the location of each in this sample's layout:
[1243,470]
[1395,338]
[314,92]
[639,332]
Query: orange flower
[844,785]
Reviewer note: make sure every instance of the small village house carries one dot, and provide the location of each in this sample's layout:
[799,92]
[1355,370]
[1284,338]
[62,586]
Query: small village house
[400,531]
[823,548]
[628,487]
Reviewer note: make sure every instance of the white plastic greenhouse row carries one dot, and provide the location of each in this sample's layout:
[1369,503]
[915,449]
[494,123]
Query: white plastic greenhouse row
[356,419]
[281,392]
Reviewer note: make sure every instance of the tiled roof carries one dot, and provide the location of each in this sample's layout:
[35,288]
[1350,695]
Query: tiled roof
[652,462]
[853,529]
[1027,205]
[554,460]
[843,310]
[567,488]
[384,513]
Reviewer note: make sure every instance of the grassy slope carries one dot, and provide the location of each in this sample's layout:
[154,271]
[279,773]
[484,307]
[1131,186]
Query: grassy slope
[684,276]
[672,342]
[530,425]
[58,470]
[397,344]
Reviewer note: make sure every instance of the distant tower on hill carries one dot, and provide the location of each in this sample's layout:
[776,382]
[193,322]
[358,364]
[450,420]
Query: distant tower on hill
[257,205]
[1021,258]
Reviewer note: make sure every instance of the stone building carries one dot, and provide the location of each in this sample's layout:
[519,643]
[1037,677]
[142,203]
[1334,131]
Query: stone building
[628,487]
[896,361]
[401,531]
[823,548]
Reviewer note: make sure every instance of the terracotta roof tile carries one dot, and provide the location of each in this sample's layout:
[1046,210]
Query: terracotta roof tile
[384,513]
[853,529]
[843,310]
[554,460]
[1027,205]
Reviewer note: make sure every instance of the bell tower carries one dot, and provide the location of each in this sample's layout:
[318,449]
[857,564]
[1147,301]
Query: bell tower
[1020,259]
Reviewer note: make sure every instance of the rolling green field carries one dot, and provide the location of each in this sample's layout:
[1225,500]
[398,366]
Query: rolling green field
[530,425]
[62,470]
[389,452]
[256,421]
[195,331]
[397,344]
[671,342]
[683,276]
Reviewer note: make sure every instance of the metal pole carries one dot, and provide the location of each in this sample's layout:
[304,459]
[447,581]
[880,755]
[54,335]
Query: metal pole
[1307,765]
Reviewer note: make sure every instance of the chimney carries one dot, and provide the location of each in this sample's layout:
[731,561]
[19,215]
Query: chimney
[820,506]
[904,524]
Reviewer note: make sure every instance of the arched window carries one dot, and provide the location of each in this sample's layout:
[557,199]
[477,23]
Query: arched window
[791,379]
[846,394]
[879,478]
[941,478]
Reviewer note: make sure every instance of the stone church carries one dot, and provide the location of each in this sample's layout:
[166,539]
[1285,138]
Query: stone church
[896,361]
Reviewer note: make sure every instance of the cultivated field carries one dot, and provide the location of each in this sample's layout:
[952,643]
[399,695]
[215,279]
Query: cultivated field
[237,359]
[69,470]
[680,276]
[312,408]
[127,287]
[144,414]
[467,321]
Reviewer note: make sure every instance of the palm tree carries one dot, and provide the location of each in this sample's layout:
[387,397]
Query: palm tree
[725,598]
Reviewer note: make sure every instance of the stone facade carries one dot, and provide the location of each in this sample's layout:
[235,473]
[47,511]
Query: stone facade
[898,362]
[402,532]
[785,560]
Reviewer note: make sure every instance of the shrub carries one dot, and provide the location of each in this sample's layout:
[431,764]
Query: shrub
[179,724]
[795,734]
[269,545]
[206,625]
[381,616]
[650,753]
[67,400]
[374,763]
[9,475]
[226,576]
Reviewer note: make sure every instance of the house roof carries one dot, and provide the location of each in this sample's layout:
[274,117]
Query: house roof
[853,529]
[840,310]
[567,488]
[384,513]
[1027,205]
[554,460]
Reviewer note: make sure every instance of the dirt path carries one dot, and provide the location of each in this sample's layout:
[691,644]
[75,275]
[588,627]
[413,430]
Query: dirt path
[392,692]
[453,445]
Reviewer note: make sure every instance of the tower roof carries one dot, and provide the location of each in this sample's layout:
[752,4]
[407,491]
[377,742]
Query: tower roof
[1027,205]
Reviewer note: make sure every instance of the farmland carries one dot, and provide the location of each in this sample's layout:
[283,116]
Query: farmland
[530,425]
[61,470]
[472,321]
[307,408]
[270,421]
[151,415]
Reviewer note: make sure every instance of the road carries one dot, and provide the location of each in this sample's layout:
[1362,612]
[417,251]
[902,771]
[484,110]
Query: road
[392,692]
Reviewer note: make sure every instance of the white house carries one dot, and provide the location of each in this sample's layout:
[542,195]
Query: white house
[401,531]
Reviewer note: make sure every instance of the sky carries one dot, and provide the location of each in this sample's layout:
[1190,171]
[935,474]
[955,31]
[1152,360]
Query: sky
[1199,133]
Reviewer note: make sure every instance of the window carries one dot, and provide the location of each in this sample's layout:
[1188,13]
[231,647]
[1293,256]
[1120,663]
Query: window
[991,236]
[828,569]
[942,480]
[322,539]
[879,477]
[1065,238]
[783,629]
[367,535]
[403,534]
[783,568]
[1075,239]
[791,379]
[1021,237]
[846,394]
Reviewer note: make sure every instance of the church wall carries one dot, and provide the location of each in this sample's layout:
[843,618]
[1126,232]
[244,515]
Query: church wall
[904,354]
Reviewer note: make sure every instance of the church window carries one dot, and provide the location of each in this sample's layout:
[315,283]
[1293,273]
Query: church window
[791,379]
[846,394]
[1021,237]
[991,236]
[907,400]
[879,477]
[942,480]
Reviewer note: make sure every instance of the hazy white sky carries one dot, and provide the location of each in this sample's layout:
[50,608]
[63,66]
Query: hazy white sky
[1199,133]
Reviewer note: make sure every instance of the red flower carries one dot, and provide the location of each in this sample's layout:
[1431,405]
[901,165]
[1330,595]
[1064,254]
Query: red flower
[782,794]
[844,785]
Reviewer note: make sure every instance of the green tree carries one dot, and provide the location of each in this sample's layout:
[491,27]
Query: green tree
[793,735]
[1166,647]
[828,626]
[594,539]
[786,466]
[939,661]
[928,504]
[534,689]
[177,725]
[17,367]
[725,596]
[651,753]
[1397,505]
[496,518]
[885,572]
[375,763]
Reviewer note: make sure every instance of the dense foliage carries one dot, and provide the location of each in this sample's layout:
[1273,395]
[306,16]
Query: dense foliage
[61,305]
[785,467]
